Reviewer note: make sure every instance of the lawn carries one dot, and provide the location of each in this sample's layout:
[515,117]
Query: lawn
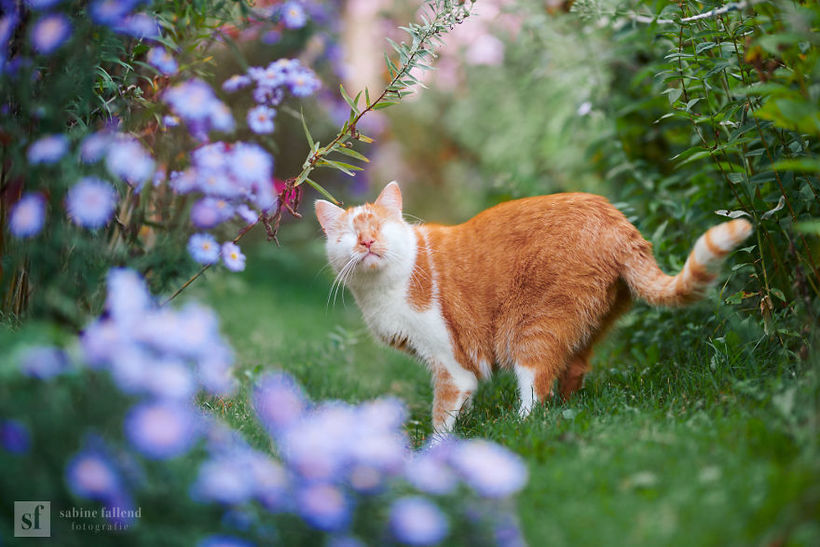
[678,444]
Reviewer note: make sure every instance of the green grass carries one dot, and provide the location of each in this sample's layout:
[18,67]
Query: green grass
[698,438]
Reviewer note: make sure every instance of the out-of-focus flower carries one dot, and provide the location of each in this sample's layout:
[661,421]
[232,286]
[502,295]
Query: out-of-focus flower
[507,532]
[260,119]
[486,49]
[303,83]
[491,470]
[584,108]
[195,102]
[249,163]
[203,248]
[232,257]
[42,4]
[128,160]
[48,149]
[345,541]
[268,95]
[169,379]
[91,474]
[208,212]
[293,15]
[246,213]
[430,474]
[139,25]
[183,181]
[44,362]
[324,507]
[14,437]
[111,12]
[90,202]
[236,82]
[94,146]
[220,540]
[415,520]
[278,401]
[50,32]
[161,430]
[28,215]
[170,121]
[162,60]
[223,479]
[127,298]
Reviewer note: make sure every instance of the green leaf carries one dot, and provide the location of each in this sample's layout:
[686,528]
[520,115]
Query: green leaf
[347,99]
[322,191]
[352,153]
[307,133]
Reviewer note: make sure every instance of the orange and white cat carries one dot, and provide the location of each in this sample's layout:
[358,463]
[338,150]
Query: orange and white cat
[529,285]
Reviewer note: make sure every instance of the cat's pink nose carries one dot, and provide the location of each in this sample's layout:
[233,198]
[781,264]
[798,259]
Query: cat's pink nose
[367,242]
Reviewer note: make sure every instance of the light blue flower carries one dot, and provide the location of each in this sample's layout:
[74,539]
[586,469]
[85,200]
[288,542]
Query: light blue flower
[50,32]
[90,202]
[415,520]
[260,119]
[232,257]
[94,146]
[48,149]
[129,161]
[324,507]
[490,469]
[28,215]
[203,248]
[223,479]
[162,60]
[14,437]
[209,212]
[111,12]
[161,430]
[139,25]
[91,474]
[44,362]
[236,82]
[278,401]
[293,15]
[303,83]
[250,163]
[128,297]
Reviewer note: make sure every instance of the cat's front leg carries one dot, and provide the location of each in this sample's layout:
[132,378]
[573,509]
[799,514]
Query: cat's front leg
[452,391]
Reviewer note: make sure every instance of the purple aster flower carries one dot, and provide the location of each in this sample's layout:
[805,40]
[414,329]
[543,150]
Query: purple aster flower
[278,401]
[28,215]
[161,430]
[272,76]
[211,157]
[128,160]
[191,100]
[223,479]
[303,83]
[48,149]
[247,214]
[251,164]
[111,12]
[209,212]
[417,521]
[130,366]
[260,119]
[162,60]
[170,379]
[236,82]
[293,15]
[324,507]
[7,25]
[94,146]
[220,540]
[91,474]
[99,341]
[215,373]
[50,32]
[221,118]
[128,297]
[232,257]
[170,121]
[203,248]
[90,202]
[430,474]
[44,362]
[139,25]
[183,182]
[491,470]
[268,95]
[14,437]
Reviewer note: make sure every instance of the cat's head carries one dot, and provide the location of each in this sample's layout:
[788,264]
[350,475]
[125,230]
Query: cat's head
[369,238]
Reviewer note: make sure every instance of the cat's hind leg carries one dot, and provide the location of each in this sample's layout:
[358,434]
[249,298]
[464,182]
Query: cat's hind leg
[452,391]
[572,378]
[534,383]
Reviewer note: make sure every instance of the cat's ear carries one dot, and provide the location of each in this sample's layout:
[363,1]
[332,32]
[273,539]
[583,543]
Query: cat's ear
[390,197]
[328,214]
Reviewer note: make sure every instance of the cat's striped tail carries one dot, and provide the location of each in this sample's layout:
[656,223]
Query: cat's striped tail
[649,283]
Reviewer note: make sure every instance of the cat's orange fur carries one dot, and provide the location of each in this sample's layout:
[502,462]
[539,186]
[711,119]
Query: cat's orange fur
[530,284]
